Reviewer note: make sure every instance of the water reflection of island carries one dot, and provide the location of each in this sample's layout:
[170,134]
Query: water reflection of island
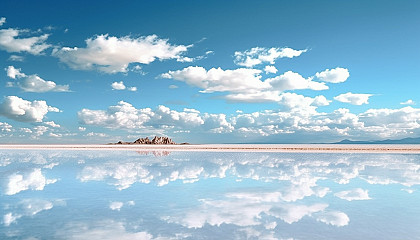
[155,153]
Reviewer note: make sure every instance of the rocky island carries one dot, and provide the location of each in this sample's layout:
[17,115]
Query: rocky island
[156,140]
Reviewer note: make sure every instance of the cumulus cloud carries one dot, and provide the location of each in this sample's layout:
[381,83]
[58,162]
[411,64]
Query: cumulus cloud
[120,86]
[243,84]
[408,102]
[110,54]
[5,127]
[39,131]
[2,21]
[34,180]
[219,80]
[396,121]
[260,55]
[28,208]
[105,230]
[33,83]
[354,194]
[335,218]
[293,81]
[93,134]
[22,110]
[126,116]
[116,205]
[14,73]
[294,213]
[270,69]
[336,75]
[353,98]
[52,124]
[297,119]
[11,41]
[244,210]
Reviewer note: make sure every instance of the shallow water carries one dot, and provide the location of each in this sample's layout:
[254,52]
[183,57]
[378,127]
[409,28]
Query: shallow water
[50,194]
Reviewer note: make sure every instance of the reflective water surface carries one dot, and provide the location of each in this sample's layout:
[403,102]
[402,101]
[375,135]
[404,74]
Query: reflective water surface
[50,194]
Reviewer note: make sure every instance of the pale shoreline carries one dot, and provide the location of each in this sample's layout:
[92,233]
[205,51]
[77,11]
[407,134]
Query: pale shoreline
[317,148]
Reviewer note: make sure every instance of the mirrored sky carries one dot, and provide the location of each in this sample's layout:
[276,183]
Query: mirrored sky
[48,194]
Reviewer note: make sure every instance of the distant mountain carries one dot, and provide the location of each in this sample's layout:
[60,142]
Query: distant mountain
[387,141]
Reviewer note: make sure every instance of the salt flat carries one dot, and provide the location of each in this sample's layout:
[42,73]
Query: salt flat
[357,148]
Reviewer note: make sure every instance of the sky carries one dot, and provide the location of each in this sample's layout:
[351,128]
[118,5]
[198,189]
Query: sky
[209,71]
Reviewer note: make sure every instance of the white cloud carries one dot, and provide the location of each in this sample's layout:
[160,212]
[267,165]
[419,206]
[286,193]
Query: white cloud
[123,115]
[112,54]
[294,213]
[353,98]
[82,129]
[354,194]
[5,127]
[26,130]
[219,80]
[259,55]
[126,116]
[408,102]
[28,208]
[2,21]
[243,84]
[10,42]
[102,230]
[173,86]
[393,122]
[116,205]
[270,69]
[120,86]
[335,218]
[39,131]
[33,83]
[258,96]
[10,218]
[297,120]
[52,124]
[246,209]
[22,110]
[93,134]
[14,73]
[16,58]
[217,212]
[34,180]
[292,81]
[296,101]
[192,110]
[336,75]
[56,135]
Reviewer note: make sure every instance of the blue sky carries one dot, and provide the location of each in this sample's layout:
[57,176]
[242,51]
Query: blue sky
[209,71]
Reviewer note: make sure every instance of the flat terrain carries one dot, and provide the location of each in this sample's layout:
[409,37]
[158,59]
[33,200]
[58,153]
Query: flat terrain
[356,148]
